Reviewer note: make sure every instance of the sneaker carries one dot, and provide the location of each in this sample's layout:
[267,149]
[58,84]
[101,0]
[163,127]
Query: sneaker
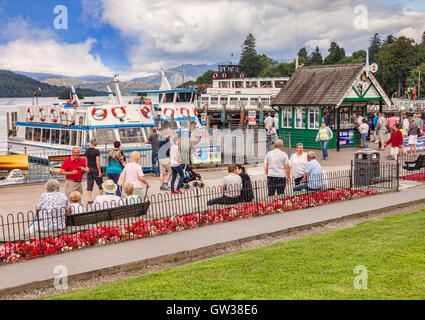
[162,188]
[179,191]
[174,192]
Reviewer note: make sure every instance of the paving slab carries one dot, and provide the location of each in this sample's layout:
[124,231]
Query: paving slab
[88,262]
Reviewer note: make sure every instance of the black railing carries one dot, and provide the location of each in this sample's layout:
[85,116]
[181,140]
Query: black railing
[57,230]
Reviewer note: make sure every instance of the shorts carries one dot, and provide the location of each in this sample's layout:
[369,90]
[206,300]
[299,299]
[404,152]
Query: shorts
[381,135]
[413,139]
[165,166]
[93,176]
[71,186]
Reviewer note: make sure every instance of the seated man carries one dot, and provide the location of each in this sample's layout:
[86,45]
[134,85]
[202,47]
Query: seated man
[312,180]
[108,199]
[231,187]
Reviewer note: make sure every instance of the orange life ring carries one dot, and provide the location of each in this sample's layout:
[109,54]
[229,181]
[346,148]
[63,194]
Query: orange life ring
[99,117]
[165,111]
[145,111]
[53,112]
[195,112]
[182,111]
[122,110]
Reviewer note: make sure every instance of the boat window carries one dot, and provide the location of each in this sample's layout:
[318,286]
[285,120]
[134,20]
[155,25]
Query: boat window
[87,137]
[223,100]
[73,138]
[244,101]
[253,101]
[265,84]
[265,100]
[104,136]
[233,101]
[279,83]
[28,134]
[238,84]
[169,97]
[37,134]
[79,140]
[251,84]
[160,98]
[184,96]
[65,137]
[214,100]
[131,135]
[80,122]
[46,136]
[55,136]
[223,84]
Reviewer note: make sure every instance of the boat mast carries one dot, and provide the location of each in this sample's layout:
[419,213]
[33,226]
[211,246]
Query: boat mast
[75,95]
[110,95]
[117,89]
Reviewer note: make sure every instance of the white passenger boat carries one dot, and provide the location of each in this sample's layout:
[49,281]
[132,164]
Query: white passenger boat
[169,105]
[232,93]
[61,126]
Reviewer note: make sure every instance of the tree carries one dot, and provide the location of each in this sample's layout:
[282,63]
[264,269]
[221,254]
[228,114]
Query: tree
[278,70]
[375,44]
[206,78]
[303,54]
[336,54]
[359,56]
[249,46]
[396,60]
[413,79]
[390,39]
[315,57]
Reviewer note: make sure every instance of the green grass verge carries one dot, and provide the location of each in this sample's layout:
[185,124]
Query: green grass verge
[316,267]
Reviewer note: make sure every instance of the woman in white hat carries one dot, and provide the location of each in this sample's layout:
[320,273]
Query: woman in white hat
[108,199]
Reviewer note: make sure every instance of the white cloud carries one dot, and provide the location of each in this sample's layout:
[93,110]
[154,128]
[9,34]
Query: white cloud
[177,31]
[37,50]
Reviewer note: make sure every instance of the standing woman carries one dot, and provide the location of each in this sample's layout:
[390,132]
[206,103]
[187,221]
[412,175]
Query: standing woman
[413,136]
[297,162]
[116,163]
[364,132]
[324,135]
[133,174]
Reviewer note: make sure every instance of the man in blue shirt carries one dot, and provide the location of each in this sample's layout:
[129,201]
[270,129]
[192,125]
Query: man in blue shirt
[374,124]
[312,180]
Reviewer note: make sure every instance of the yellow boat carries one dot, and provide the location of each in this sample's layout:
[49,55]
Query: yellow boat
[19,161]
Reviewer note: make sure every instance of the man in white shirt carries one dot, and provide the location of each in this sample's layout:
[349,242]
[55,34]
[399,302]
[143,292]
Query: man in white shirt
[176,166]
[268,121]
[405,122]
[231,187]
[276,165]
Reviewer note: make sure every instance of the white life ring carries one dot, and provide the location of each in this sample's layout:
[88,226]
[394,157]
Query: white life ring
[242,75]
[215,75]
[146,111]
[171,113]
[183,109]
[123,112]
[54,115]
[42,114]
[96,115]
[224,75]
[30,114]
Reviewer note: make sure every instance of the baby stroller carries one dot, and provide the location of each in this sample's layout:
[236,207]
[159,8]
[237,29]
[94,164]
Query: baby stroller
[189,176]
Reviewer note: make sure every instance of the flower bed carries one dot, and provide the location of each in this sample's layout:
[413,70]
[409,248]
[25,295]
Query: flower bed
[414,177]
[12,252]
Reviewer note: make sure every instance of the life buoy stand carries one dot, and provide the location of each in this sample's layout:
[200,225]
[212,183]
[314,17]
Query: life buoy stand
[145,111]
[114,113]
[98,116]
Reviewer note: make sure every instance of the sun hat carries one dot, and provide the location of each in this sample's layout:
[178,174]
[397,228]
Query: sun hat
[109,186]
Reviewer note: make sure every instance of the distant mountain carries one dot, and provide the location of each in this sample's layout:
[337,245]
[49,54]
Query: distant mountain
[174,75]
[13,85]
[45,76]
[126,87]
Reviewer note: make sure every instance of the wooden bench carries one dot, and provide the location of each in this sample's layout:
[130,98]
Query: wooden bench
[115,213]
[415,165]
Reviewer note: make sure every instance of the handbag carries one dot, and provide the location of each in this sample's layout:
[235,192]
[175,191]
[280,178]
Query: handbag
[121,179]
[420,134]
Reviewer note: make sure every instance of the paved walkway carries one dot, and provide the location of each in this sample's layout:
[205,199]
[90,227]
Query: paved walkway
[89,261]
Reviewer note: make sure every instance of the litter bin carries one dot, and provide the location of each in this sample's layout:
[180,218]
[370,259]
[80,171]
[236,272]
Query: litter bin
[366,167]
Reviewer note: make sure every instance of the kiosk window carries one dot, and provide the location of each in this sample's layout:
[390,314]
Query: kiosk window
[329,117]
[300,118]
[313,116]
[287,117]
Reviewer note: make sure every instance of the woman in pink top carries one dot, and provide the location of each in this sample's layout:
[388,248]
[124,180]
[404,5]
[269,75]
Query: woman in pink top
[133,173]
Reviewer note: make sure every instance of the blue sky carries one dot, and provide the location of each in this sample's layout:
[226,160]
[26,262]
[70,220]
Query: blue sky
[137,37]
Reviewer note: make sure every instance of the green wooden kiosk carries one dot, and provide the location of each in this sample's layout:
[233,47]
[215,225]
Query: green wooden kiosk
[330,94]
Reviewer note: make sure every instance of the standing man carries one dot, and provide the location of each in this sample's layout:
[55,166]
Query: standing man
[268,121]
[95,172]
[405,122]
[271,137]
[276,122]
[73,168]
[164,161]
[153,140]
[381,130]
[276,165]
[176,166]
[375,130]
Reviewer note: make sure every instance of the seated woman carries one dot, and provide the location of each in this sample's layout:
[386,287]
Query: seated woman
[108,199]
[247,194]
[52,208]
[75,203]
[131,198]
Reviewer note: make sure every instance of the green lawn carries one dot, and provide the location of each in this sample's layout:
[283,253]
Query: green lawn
[316,267]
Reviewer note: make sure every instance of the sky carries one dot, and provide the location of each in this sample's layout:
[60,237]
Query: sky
[137,37]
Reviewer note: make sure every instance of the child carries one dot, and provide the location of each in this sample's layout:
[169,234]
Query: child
[131,198]
[75,206]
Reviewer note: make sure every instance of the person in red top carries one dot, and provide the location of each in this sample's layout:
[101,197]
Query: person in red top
[73,168]
[396,141]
